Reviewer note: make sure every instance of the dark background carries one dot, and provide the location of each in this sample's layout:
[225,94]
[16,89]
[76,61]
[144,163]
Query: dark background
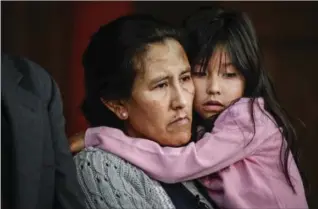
[54,34]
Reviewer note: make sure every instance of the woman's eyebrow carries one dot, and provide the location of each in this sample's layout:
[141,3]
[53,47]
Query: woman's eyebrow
[163,77]
[187,70]
[159,78]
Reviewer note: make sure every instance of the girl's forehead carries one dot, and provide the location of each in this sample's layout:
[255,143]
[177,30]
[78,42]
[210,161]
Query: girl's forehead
[220,56]
[220,52]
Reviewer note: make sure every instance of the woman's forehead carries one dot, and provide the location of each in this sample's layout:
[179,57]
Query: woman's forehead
[165,57]
[160,51]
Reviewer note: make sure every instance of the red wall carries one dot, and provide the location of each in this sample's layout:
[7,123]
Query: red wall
[88,16]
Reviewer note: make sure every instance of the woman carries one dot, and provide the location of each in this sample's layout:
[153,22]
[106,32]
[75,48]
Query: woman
[138,80]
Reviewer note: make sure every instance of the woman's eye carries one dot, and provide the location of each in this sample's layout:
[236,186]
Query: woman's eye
[186,78]
[161,86]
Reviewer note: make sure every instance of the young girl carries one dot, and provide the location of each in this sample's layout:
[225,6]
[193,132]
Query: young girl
[244,157]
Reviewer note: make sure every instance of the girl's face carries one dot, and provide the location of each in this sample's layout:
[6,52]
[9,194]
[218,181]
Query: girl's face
[218,86]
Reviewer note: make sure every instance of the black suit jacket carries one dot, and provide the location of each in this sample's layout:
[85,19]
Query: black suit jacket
[43,171]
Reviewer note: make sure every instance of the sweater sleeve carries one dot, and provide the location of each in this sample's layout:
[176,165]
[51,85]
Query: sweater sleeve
[233,138]
[110,182]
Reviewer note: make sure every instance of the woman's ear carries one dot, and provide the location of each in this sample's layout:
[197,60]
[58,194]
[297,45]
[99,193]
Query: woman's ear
[117,107]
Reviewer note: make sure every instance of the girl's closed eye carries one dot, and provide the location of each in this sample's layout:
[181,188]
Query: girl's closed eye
[230,75]
[230,71]
[199,74]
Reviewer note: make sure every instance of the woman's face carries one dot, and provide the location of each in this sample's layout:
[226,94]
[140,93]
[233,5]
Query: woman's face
[219,86]
[160,107]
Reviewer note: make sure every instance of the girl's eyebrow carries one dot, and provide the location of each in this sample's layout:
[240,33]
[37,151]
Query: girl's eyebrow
[226,64]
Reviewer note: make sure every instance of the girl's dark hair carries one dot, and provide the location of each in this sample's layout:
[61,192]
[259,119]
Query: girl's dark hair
[110,62]
[210,27]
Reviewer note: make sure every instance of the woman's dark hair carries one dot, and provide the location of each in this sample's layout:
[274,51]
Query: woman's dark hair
[110,62]
[210,27]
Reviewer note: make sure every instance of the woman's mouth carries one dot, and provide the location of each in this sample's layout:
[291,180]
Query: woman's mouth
[180,121]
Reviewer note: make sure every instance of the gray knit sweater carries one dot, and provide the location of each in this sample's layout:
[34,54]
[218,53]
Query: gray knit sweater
[110,182]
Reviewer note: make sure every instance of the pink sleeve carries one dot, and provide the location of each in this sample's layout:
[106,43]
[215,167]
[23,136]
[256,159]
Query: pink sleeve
[225,145]
[89,139]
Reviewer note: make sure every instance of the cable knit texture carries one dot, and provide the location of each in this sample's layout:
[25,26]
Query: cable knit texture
[110,182]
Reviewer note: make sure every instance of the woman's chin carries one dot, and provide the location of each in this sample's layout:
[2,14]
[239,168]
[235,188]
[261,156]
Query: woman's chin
[178,140]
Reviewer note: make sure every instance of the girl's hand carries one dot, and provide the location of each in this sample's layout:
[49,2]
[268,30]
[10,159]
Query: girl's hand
[77,142]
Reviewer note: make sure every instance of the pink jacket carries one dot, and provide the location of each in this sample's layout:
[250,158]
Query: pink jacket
[238,171]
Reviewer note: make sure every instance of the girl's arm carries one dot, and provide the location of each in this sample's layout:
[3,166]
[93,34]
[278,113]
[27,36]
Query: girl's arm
[229,142]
